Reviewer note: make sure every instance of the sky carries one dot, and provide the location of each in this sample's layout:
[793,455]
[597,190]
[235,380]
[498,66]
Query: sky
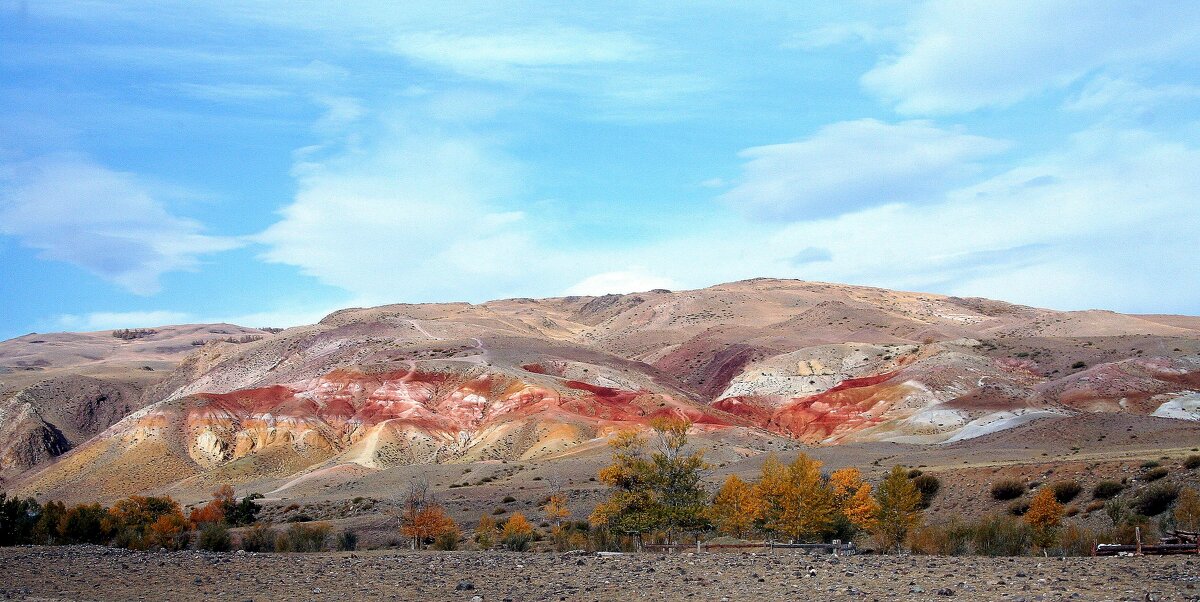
[265,163]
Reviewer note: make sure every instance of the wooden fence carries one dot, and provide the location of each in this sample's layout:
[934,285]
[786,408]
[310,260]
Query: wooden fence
[1173,542]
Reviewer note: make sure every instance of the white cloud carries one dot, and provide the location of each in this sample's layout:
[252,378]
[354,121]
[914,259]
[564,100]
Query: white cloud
[110,320]
[504,56]
[1108,222]
[407,213]
[853,164]
[965,55]
[633,280]
[107,222]
[1102,93]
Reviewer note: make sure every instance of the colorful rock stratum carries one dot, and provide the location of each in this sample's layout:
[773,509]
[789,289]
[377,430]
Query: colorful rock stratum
[544,379]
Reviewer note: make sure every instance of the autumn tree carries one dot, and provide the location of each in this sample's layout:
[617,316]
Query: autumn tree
[1187,510]
[215,511]
[485,533]
[796,500]
[428,525]
[415,500]
[899,509]
[735,508]
[517,533]
[853,498]
[140,522]
[1043,516]
[653,490]
[86,523]
[555,509]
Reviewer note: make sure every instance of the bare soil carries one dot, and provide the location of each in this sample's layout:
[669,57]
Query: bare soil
[95,573]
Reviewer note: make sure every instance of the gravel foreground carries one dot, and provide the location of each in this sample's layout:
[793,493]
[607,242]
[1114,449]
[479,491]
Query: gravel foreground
[96,573]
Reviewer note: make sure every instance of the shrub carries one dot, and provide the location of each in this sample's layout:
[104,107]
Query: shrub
[1065,491]
[1107,490]
[447,540]
[499,511]
[1094,505]
[1007,490]
[1000,535]
[301,537]
[347,541]
[517,533]
[1148,464]
[298,518]
[1191,462]
[1077,540]
[1078,365]
[86,524]
[951,539]
[1018,507]
[914,473]
[259,538]
[928,485]
[1156,499]
[214,537]
[508,499]
[1154,474]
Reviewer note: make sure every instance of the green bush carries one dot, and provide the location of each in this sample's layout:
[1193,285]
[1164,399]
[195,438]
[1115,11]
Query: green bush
[1154,474]
[1065,491]
[1000,535]
[1107,490]
[306,537]
[1156,499]
[259,538]
[1018,507]
[1191,462]
[446,542]
[86,524]
[1148,464]
[928,485]
[1007,490]
[347,541]
[214,537]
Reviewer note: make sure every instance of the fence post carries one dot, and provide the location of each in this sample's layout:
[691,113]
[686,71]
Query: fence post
[1137,532]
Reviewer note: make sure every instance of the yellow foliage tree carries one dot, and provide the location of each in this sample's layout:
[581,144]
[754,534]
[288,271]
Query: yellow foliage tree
[556,509]
[899,509]
[796,500]
[485,533]
[1044,515]
[1187,510]
[428,524]
[517,533]
[735,508]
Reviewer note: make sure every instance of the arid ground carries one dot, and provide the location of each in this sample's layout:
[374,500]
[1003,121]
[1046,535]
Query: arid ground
[93,573]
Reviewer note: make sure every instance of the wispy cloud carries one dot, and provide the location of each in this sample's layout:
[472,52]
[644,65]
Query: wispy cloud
[107,222]
[109,320]
[960,56]
[854,164]
[510,55]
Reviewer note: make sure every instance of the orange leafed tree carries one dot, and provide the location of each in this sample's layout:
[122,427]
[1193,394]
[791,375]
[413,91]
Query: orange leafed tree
[1044,515]
[215,511]
[428,524]
[556,509]
[853,497]
[517,532]
[796,499]
[735,508]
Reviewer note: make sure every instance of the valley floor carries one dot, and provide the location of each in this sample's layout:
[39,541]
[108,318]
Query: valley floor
[95,573]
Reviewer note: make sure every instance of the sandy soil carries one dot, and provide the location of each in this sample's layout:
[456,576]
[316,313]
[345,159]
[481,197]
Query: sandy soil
[92,573]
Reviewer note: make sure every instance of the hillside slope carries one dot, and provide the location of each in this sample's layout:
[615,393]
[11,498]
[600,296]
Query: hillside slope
[522,379]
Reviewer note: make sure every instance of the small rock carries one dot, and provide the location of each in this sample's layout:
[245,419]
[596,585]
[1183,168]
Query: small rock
[464,586]
[945,591]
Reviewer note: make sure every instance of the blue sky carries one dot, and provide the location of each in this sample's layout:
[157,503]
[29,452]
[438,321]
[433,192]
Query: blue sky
[266,163]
